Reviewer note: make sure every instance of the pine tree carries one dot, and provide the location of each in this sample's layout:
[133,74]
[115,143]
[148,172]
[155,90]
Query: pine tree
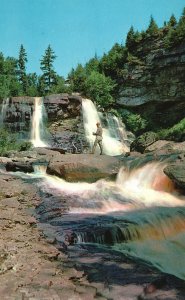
[49,75]
[130,39]
[176,34]
[22,60]
[153,29]
[172,22]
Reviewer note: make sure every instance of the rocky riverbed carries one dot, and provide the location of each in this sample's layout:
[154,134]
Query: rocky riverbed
[34,265]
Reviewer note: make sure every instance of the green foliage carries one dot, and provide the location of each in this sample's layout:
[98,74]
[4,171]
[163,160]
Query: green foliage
[24,145]
[99,87]
[133,60]
[9,84]
[77,78]
[153,29]
[32,85]
[176,33]
[133,39]
[61,86]
[22,68]
[92,65]
[113,111]
[172,22]
[8,142]
[133,122]
[112,63]
[48,78]
[175,133]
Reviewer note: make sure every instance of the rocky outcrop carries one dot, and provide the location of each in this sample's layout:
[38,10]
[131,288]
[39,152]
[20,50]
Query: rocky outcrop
[176,171]
[83,167]
[154,87]
[71,167]
[62,106]
[143,141]
[65,125]
[18,112]
[162,146]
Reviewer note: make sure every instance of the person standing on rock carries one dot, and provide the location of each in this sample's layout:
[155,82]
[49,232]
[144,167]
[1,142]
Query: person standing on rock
[98,139]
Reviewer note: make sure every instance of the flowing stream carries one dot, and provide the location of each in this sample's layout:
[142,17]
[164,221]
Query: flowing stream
[141,214]
[113,135]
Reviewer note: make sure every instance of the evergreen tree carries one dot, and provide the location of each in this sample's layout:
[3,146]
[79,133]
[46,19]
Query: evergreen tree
[92,65]
[172,22]
[130,39]
[77,78]
[176,34]
[22,60]
[113,62]
[153,29]
[32,89]
[49,75]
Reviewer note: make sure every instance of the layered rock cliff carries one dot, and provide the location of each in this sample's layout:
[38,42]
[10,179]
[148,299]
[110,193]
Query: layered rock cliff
[64,121]
[154,84]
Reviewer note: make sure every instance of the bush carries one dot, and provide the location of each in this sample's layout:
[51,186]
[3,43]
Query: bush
[175,133]
[134,122]
[99,88]
[8,142]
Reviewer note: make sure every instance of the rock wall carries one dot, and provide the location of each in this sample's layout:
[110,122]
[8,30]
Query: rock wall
[155,86]
[64,126]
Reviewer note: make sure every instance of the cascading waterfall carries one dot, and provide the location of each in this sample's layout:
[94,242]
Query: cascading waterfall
[37,123]
[116,127]
[140,214]
[112,143]
[3,110]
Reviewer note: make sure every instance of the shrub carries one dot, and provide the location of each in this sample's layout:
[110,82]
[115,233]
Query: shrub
[8,142]
[134,122]
[175,133]
[99,88]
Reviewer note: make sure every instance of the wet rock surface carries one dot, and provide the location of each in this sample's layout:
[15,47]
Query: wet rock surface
[33,266]
[83,167]
[111,275]
[176,171]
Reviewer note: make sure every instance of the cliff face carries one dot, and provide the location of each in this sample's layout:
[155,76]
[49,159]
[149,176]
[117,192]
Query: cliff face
[64,126]
[18,112]
[155,85]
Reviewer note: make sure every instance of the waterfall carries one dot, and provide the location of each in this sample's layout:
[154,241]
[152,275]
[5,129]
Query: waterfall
[3,110]
[113,135]
[37,123]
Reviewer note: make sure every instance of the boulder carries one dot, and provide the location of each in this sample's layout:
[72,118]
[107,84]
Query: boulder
[143,141]
[83,167]
[165,147]
[176,172]
[17,166]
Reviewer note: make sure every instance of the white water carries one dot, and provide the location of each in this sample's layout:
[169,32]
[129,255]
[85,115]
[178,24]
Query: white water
[145,199]
[116,127]
[3,109]
[111,144]
[37,123]
[146,187]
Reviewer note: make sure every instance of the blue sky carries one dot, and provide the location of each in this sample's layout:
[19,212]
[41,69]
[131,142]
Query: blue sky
[76,29]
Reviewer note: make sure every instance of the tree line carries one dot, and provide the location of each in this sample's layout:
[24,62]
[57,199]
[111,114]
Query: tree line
[15,81]
[100,78]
